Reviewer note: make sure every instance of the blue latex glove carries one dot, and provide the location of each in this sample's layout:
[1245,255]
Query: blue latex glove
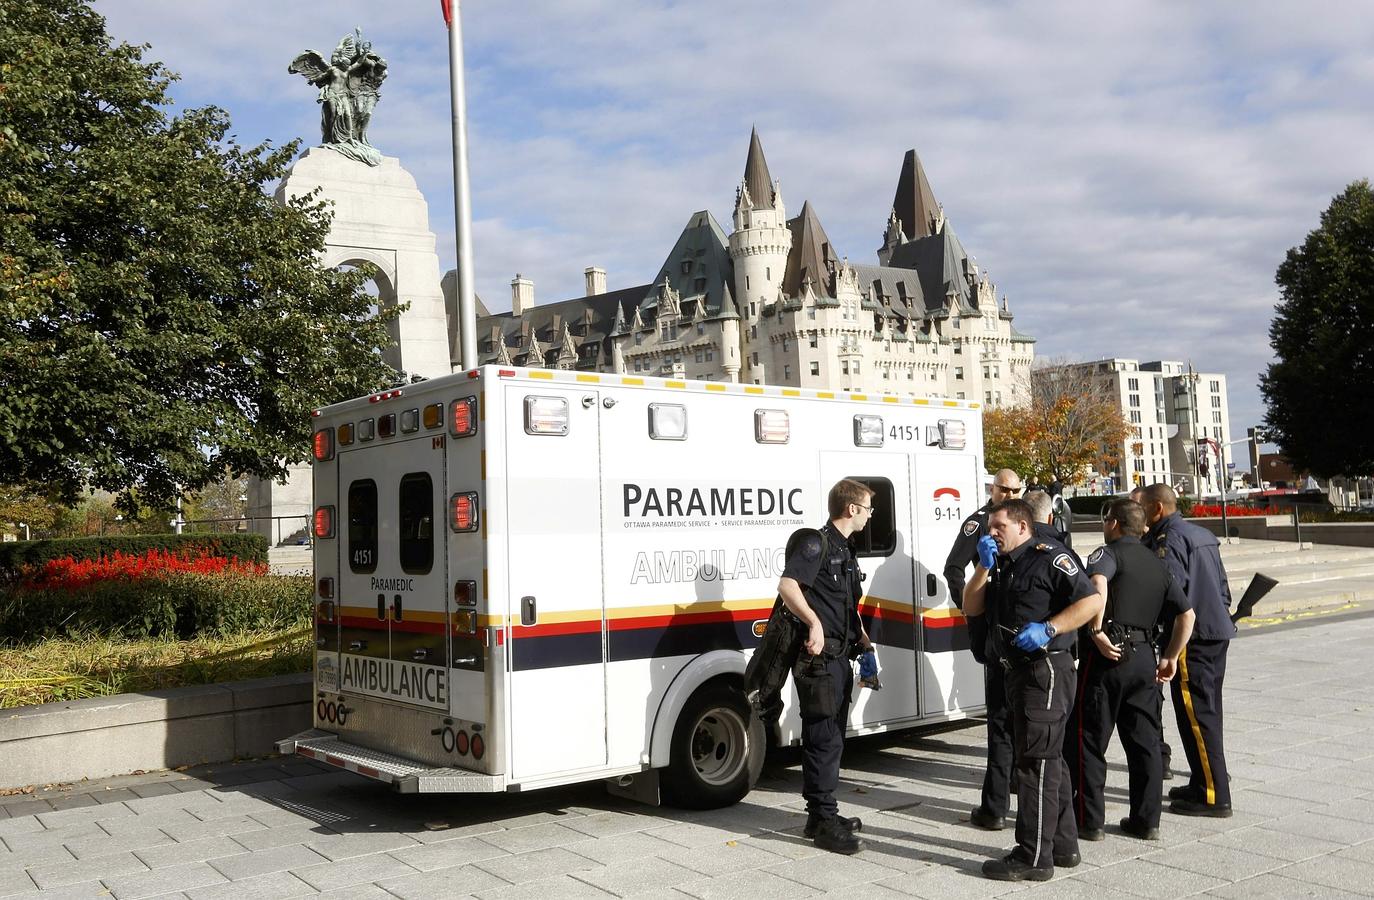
[868,670]
[1033,637]
[987,551]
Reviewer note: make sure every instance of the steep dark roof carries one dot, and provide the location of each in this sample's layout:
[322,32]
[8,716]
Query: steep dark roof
[914,201]
[756,176]
[699,268]
[943,266]
[545,324]
[896,289]
[811,254]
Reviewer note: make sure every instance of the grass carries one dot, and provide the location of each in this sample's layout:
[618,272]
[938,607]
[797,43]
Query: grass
[95,666]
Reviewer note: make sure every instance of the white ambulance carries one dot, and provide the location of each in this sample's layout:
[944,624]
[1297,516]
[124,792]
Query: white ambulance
[528,578]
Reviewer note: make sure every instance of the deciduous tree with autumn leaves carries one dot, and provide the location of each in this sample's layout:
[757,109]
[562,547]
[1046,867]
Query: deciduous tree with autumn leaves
[1069,427]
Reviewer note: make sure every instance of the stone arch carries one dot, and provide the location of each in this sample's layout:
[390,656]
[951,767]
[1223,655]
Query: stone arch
[383,263]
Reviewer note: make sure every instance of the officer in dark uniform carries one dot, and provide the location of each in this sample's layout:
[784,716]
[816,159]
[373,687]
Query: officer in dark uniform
[991,812]
[1193,557]
[1118,677]
[1034,596]
[821,586]
[1046,526]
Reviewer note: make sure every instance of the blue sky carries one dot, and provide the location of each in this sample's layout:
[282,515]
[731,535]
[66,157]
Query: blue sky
[1130,174]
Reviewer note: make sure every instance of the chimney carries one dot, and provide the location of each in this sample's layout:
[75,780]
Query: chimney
[521,295]
[596,280]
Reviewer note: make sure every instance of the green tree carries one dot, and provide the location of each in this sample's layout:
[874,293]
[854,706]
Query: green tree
[162,319]
[1319,407]
[1069,427]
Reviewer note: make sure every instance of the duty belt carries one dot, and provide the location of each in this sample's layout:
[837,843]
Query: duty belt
[1011,665]
[1128,634]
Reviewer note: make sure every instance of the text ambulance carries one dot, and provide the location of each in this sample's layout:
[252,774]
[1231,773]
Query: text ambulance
[528,578]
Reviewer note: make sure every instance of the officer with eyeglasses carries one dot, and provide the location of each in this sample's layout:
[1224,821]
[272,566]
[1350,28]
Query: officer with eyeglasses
[991,812]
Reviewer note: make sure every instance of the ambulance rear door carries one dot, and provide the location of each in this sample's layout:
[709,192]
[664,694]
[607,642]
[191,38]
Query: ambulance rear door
[392,583]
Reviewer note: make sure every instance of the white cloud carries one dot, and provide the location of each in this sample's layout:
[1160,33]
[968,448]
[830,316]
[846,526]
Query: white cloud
[1131,174]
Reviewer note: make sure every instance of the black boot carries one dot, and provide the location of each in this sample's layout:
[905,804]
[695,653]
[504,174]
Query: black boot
[833,836]
[852,824]
[1013,868]
[981,818]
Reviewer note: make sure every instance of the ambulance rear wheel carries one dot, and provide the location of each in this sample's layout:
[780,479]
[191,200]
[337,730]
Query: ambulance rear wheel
[717,751]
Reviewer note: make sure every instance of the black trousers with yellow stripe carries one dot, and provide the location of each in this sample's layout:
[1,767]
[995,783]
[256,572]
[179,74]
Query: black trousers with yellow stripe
[1196,692]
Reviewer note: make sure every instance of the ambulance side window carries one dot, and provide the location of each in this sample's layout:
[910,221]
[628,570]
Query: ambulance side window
[362,526]
[417,523]
[880,537]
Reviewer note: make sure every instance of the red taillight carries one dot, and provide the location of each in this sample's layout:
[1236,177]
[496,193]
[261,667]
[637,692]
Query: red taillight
[324,444]
[463,512]
[464,418]
[326,588]
[460,743]
[324,521]
[479,746]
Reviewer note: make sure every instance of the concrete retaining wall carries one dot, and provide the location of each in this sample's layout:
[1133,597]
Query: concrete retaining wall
[104,736]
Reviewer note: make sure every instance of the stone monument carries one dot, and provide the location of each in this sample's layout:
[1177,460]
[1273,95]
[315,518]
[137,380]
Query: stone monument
[381,218]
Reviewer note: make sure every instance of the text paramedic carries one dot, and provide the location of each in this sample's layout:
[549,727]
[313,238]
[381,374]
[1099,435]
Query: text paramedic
[685,502]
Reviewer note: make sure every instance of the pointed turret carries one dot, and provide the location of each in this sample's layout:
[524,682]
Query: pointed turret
[914,203]
[756,176]
[812,257]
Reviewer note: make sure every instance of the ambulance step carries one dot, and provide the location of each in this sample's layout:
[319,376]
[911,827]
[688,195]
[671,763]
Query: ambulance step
[406,775]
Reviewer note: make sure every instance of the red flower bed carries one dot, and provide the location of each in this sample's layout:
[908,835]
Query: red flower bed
[70,574]
[1201,511]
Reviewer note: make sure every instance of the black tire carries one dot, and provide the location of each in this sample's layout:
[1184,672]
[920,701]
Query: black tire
[717,750]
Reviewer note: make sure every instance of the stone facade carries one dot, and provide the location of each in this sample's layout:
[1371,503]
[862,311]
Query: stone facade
[773,303]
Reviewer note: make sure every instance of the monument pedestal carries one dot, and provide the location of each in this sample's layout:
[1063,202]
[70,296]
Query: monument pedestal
[380,217]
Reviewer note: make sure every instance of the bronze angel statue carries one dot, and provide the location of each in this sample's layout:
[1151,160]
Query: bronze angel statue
[350,84]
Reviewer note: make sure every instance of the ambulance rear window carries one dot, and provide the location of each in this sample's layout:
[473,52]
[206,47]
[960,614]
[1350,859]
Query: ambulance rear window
[417,523]
[362,526]
[879,538]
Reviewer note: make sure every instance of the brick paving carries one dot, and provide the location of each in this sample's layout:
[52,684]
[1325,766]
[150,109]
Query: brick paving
[1300,745]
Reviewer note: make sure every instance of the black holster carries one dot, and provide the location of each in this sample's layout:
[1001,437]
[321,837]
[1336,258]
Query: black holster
[773,659]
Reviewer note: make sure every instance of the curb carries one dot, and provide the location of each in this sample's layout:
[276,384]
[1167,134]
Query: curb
[104,736]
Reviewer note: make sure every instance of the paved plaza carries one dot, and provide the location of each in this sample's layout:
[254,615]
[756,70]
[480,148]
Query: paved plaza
[1299,723]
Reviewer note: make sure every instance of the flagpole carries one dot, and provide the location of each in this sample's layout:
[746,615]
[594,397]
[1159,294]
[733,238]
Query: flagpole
[462,192]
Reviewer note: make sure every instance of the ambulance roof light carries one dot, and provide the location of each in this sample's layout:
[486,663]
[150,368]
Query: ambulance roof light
[463,418]
[463,512]
[771,426]
[667,421]
[868,431]
[546,415]
[952,434]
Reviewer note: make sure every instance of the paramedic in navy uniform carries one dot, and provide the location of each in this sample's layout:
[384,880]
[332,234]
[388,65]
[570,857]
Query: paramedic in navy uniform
[1034,596]
[1193,557]
[992,809]
[820,585]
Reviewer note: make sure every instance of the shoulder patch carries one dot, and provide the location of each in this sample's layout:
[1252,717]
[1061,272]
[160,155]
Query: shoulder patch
[1163,553]
[1096,555]
[970,527]
[1064,563]
[810,547]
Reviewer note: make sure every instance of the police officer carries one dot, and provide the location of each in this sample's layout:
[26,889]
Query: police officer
[1193,557]
[1047,524]
[991,812]
[1034,595]
[1118,677]
[821,586]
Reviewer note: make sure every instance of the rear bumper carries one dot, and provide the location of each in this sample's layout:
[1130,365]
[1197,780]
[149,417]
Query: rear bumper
[405,775]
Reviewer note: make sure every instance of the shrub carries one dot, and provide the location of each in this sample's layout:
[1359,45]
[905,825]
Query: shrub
[170,605]
[16,556]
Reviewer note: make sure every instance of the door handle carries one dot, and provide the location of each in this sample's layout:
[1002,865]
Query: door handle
[396,611]
[528,612]
[381,607]
[420,655]
[930,584]
[357,645]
